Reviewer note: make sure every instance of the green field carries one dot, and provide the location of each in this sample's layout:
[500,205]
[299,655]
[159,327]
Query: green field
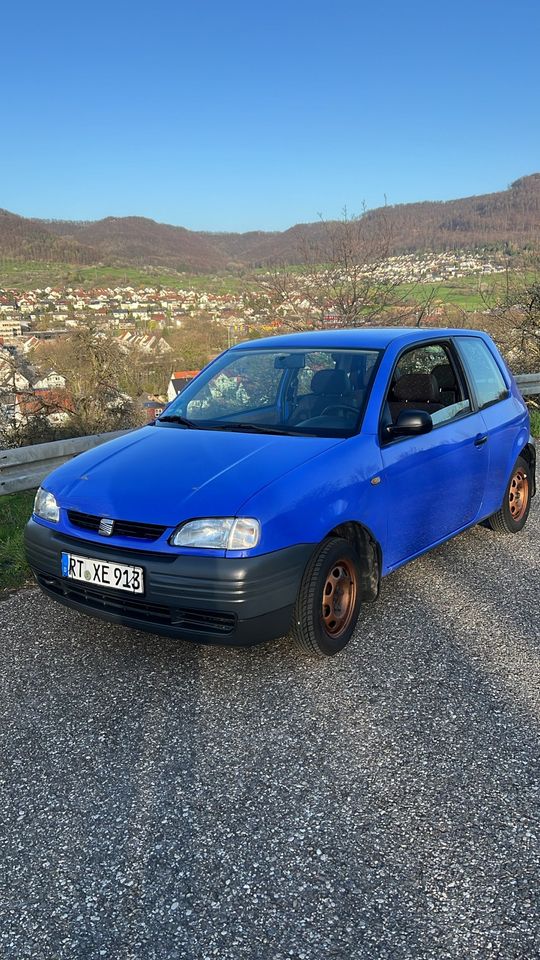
[15,510]
[468,293]
[35,274]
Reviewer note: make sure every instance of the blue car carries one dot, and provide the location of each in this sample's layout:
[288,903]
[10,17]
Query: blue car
[284,482]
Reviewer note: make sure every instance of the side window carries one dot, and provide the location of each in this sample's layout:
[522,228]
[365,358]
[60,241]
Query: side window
[488,379]
[421,360]
[426,378]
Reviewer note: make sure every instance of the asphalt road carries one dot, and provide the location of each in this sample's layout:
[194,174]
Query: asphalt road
[163,800]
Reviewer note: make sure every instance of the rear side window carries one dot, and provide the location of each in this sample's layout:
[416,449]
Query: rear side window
[488,379]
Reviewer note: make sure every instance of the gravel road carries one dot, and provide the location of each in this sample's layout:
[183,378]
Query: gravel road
[163,800]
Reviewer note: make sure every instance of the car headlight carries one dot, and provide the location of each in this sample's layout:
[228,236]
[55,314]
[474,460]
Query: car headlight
[46,507]
[218,533]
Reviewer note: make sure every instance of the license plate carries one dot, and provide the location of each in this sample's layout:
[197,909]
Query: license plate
[102,573]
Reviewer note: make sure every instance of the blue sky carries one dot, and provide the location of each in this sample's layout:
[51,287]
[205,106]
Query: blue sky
[239,115]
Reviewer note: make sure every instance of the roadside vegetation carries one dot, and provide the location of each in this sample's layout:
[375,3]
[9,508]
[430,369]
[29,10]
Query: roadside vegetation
[15,509]
[534,413]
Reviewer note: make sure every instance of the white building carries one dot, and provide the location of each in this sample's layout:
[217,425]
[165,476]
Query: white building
[53,381]
[10,327]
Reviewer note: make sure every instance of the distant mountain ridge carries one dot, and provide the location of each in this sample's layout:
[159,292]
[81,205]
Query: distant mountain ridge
[493,219]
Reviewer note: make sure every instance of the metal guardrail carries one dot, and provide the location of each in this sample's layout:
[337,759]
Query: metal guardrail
[23,468]
[528,383]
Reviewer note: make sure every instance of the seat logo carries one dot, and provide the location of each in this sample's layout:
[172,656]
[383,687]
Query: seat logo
[106,527]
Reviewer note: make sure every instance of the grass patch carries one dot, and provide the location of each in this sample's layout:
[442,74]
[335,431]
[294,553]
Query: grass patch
[468,293]
[32,274]
[534,413]
[15,509]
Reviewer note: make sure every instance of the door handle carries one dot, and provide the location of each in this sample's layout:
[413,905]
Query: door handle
[481,439]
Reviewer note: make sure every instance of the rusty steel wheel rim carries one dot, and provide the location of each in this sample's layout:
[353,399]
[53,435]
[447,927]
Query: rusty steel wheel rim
[518,494]
[339,598]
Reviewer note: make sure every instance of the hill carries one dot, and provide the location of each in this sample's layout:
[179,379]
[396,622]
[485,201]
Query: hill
[138,240]
[27,239]
[510,216]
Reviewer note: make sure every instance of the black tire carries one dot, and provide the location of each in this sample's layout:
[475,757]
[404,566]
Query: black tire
[512,516]
[333,572]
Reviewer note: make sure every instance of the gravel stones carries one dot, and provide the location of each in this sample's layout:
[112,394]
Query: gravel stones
[165,800]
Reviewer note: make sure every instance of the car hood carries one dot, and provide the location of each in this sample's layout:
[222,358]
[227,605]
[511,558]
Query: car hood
[164,475]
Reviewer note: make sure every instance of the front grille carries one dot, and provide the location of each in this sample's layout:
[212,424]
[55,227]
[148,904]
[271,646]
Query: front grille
[194,621]
[122,528]
[203,620]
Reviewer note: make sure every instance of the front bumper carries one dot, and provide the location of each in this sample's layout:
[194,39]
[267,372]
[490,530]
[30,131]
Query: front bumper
[206,599]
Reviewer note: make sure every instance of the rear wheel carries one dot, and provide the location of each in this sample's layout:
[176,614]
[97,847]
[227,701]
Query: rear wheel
[514,511]
[328,600]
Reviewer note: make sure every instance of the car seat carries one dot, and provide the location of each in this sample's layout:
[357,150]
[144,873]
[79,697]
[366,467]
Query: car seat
[327,387]
[417,391]
[446,378]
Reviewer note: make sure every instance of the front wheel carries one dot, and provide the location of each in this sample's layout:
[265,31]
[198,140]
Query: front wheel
[328,600]
[514,511]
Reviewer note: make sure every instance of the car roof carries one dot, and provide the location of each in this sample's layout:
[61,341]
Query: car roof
[368,338]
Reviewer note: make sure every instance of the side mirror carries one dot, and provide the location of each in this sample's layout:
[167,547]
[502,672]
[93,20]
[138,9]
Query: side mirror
[410,423]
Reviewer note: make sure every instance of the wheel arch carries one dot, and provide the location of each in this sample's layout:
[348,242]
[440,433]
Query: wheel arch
[529,454]
[369,553]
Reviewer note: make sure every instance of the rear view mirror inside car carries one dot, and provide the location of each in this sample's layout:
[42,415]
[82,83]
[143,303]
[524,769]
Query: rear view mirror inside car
[290,361]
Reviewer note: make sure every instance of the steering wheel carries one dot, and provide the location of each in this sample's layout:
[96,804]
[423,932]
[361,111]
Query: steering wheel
[336,407]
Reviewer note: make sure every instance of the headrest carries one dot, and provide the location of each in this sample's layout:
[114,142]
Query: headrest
[444,376]
[420,387]
[330,382]
[358,378]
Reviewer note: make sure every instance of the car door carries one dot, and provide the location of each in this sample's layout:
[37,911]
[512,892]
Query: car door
[503,413]
[434,482]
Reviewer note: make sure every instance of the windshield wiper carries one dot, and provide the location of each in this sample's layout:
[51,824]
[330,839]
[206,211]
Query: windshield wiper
[234,425]
[175,418]
[245,427]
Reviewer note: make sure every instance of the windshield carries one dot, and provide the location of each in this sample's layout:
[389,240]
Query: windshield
[312,392]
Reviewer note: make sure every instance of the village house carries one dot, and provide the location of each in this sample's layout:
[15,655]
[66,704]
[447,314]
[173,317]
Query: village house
[52,381]
[178,381]
[55,405]
[11,379]
[153,407]
[10,327]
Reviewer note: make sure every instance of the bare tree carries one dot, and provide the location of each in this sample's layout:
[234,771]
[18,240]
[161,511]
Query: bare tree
[25,415]
[344,276]
[513,314]
[95,368]
[196,342]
